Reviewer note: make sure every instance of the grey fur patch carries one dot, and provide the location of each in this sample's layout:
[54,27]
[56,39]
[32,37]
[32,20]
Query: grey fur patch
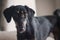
[42,28]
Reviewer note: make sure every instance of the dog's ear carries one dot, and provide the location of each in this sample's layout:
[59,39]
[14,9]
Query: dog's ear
[30,11]
[57,12]
[8,12]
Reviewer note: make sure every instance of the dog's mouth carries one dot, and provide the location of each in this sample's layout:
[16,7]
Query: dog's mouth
[22,30]
[21,27]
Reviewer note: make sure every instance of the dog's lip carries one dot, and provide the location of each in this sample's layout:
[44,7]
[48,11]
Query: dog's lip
[22,30]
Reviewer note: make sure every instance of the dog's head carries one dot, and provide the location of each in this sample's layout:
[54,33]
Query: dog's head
[57,12]
[20,15]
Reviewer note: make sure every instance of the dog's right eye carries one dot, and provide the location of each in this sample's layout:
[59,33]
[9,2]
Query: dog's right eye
[22,12]
[17,11]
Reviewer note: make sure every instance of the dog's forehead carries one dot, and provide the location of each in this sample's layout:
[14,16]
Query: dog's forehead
[20,8]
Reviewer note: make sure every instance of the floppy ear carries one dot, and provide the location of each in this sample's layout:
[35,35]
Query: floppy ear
[30,11]
[57,12]
[8,13]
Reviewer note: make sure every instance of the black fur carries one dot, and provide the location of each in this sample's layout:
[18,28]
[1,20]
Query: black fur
[44,25]
[56,31]
[13,12]
[8,14]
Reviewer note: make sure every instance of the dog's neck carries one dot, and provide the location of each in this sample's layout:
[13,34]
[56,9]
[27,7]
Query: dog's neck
[29,27]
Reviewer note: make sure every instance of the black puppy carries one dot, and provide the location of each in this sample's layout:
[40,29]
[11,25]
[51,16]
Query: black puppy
[20,15]
[28,26]
[56,30]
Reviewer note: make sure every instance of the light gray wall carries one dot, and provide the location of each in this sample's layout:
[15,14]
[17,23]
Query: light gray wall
[57,4]
[45,7]
[1,19]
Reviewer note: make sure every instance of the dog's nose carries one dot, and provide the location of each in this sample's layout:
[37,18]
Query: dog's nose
[21,29]
[20,24]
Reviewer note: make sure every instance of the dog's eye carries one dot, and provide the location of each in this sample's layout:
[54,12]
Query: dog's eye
[25,12]
[23,16]
[22,12]
[17,11]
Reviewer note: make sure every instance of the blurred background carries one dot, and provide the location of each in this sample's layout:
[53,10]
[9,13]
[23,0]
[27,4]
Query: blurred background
[41,8]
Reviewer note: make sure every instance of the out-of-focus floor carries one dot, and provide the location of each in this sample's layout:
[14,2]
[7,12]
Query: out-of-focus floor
[12,36]
[7,35]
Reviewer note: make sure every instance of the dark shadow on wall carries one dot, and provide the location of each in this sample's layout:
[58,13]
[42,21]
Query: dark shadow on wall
[2,5]
[1,27]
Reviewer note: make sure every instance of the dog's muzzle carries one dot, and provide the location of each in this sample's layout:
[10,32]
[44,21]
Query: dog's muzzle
[20,30]
[21,27]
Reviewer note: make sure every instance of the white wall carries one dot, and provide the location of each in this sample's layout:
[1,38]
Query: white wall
[45,7]
[31,3]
